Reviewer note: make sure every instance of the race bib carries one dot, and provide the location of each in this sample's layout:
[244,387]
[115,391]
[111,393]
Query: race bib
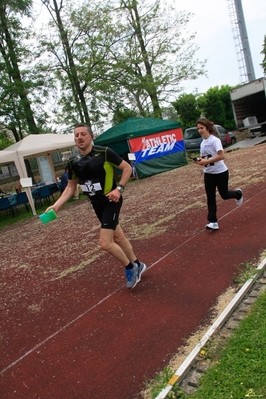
[91,188]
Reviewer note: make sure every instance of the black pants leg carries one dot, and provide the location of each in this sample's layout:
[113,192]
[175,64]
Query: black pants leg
[210,188]
[222,185]
[220,181]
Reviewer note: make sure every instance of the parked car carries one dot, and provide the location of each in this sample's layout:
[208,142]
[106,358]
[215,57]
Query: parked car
[192,138]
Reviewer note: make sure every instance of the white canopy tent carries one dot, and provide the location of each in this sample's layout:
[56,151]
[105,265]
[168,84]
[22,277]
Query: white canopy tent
[33,146]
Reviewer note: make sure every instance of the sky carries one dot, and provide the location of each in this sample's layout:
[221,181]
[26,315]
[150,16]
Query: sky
[212,24]
[214,36]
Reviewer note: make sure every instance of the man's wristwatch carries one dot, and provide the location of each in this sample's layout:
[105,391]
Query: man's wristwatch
[120,188]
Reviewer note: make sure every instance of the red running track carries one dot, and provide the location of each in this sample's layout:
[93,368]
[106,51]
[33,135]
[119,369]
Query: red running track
[81,334]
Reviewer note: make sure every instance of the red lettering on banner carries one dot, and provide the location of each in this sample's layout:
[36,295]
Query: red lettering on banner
[155,140]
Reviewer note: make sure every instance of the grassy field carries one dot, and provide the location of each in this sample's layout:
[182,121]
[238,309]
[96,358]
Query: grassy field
[21,213]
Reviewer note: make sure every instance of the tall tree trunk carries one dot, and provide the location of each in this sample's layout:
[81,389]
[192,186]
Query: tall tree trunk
[14,73]
[78,93]
[151,87]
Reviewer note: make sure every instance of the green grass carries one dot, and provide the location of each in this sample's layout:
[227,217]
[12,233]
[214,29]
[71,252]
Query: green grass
[246,271]
[21,214]
[159,382]
[239,369]
[6,219]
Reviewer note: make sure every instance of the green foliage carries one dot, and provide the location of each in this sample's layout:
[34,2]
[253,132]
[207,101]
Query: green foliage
[160,381]
[5,140]
[121,115]
[170,114]
[263,64]
[104,56]
[94,57]
[246,271]
[216,106]
[187,109]
[176,393]
[17,81]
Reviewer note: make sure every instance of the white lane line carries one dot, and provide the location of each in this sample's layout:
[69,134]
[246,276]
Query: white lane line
[57,332]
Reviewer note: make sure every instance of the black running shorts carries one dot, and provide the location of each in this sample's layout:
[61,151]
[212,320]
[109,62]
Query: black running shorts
[108,212]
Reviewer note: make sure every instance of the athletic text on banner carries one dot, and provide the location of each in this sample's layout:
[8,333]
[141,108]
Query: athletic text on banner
[157,145]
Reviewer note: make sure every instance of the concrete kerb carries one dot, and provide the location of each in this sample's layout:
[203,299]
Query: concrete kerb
[181,372]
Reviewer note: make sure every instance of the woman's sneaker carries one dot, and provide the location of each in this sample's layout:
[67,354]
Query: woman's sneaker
[240,201]
[212,226]
[133,275]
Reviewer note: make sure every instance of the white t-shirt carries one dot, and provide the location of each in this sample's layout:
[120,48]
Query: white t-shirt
[209,148]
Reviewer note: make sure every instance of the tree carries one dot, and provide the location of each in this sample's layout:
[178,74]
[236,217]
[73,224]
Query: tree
[67,63]
[121,114]
[117,58]
[154,55]
[216,105]
[5,138]
[187,109]
[263,64]
[16,108]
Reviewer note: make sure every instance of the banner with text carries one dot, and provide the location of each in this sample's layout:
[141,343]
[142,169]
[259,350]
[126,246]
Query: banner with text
[157,145]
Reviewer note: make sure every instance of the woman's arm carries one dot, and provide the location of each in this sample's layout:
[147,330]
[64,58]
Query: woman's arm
[215,158]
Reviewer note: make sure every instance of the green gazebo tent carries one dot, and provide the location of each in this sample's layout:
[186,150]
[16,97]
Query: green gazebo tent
[157,144]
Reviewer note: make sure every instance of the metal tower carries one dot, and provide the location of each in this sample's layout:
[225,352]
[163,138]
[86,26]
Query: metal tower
[241,41]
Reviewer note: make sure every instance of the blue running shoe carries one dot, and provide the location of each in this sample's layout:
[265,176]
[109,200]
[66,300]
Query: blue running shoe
[133,275]
[140,269]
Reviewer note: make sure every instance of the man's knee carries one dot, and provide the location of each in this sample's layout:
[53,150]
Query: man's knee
[118,239]
[105,244]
